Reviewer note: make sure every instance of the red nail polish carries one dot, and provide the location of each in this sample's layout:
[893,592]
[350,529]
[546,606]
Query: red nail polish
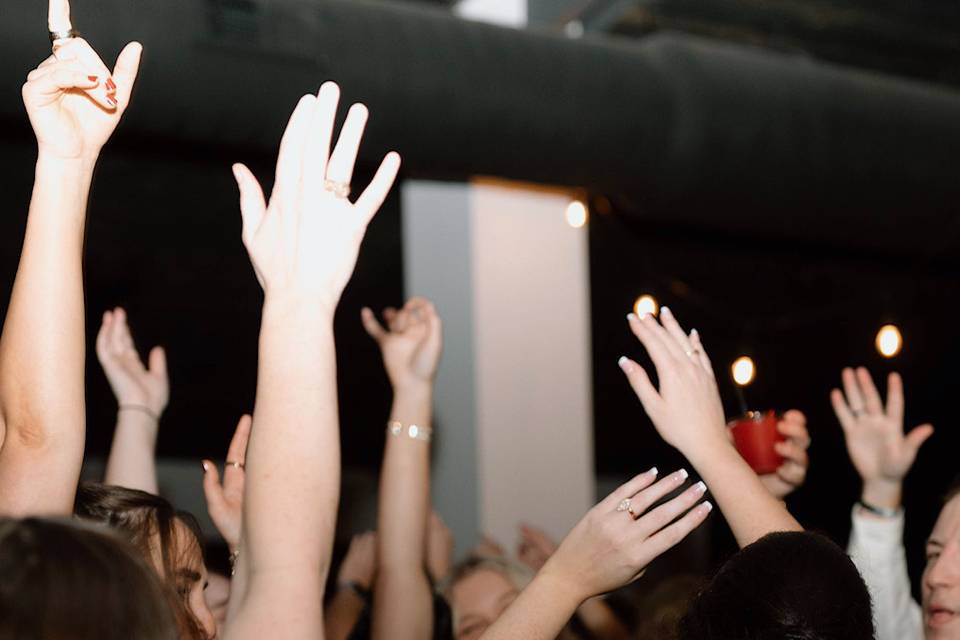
[112,101]
[92,78]
[111,85]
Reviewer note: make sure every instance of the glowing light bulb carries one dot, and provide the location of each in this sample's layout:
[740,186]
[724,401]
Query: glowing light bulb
[889,341]
[577,214]
[646,305]
[744,371]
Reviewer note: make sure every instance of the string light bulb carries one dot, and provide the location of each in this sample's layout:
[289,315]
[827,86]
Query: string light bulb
[744,370]
[646,305]
[577,214]
[889,340]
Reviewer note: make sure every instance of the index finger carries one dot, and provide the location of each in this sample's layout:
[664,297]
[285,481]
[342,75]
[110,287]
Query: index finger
[58,16]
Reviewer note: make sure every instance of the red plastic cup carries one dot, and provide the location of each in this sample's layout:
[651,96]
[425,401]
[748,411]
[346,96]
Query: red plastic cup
[754,435]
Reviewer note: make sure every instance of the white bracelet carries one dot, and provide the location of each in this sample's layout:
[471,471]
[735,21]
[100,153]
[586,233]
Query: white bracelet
[414,432]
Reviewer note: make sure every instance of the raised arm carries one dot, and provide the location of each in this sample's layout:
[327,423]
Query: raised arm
[688,414]
[599,619]
[411,346]
[303,247]
[354,581]
[609,548]
[142,394]
[74,104]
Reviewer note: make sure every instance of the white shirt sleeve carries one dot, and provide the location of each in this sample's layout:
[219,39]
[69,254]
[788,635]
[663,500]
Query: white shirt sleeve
[876,547]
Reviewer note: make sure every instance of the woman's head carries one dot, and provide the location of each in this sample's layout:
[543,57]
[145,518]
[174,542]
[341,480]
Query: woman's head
[795,585]
[63,579]
[167,538]
[479,591]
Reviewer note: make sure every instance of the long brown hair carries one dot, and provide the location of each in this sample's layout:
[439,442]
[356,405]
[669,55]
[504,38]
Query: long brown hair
[144,518]
[64,579]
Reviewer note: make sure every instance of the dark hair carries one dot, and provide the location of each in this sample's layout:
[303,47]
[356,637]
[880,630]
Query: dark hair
[952,491]
[144,518]
[785,586]
[63,579]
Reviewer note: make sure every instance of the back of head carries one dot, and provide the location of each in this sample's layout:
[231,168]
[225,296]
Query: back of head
[785,586]
[61,579]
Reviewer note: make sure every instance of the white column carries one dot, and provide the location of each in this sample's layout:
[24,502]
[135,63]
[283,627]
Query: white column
[514,408]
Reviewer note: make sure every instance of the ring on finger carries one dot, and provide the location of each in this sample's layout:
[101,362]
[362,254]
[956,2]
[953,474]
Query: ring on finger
[339,189]
[235,464]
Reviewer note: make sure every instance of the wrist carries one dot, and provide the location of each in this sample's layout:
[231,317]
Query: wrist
[710,450]
[886,494]
[564,589]
[80,166]
[287,306]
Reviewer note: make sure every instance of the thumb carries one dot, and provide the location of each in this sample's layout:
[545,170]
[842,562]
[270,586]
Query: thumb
[125,72]
[919,435]
[253,206]
[158,361]
[212,490]
[373,327]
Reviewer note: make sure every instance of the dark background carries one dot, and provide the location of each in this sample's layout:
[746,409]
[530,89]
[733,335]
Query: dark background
[164,241]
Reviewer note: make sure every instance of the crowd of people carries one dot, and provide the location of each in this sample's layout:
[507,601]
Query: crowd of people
[117,560]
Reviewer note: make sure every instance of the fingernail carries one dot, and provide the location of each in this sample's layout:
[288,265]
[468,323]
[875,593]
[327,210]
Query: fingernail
[93,78]
[205,465]
[624,363]
[700,487]
[694,333]
[708,506]
[112,101]
[111,85]
[631,317]
[653,471]
[666,310]
[683,474]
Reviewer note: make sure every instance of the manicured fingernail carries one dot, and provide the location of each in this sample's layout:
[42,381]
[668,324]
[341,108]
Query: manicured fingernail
[694,333]
[205,465]
[111,85]
[707,506]
[112,101]
[624,363]
[631,317]
[683,474]
[653,472]
[666,310]
[93,78]
[700,487]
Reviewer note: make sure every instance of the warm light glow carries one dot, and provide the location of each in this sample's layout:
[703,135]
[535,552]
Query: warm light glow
[576,214]
[889,341]
[744,371]
[646,305]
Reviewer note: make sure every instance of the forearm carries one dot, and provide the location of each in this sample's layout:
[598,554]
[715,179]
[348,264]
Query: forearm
[132,460]
[600,620]
[42,348]
[402,596]
[293,461]
[750,510]
[342,614]
[540,612]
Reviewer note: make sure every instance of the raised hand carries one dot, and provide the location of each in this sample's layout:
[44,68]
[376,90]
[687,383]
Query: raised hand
[878,447]
[686,410]
[305,242]
[410,344]
[439,548]
[225,501]
[73,100]
[613,544]
[792,473]
[133,384]
[535,547]
[359,566]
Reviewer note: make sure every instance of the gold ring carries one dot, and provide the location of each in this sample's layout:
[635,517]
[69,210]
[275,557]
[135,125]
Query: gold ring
[63,35]
[339,189]
[235,464]
[627,505]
